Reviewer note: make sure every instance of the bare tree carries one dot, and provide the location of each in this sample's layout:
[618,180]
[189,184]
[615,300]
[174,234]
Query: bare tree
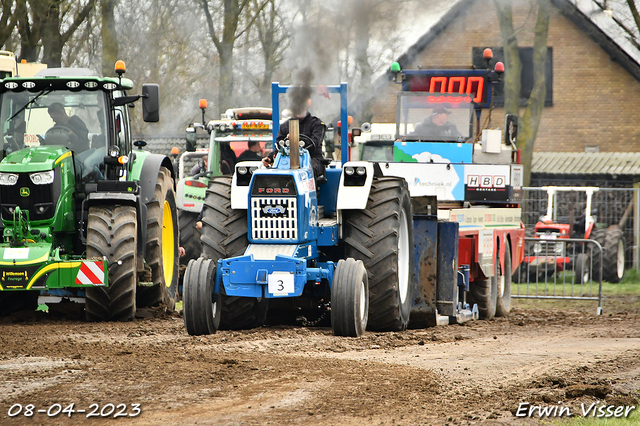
[30,23]
[224,35]
[274,41]
[108,33]
[8,19]
[530,118]
[53,36]
[49,24]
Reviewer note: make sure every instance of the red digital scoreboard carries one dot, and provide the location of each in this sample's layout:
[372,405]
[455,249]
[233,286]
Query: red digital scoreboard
[472,85]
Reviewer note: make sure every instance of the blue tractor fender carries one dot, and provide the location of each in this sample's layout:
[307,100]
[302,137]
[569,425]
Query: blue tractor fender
[355,185]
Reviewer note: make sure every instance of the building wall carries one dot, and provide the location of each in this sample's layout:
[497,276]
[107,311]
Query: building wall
[595,101]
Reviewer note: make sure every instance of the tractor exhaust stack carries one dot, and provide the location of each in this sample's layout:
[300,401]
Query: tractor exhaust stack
[294,141]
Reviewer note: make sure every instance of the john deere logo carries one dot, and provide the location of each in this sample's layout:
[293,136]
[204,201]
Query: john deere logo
[24,192]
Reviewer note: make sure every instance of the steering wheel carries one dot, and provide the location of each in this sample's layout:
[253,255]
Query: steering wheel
[58,135]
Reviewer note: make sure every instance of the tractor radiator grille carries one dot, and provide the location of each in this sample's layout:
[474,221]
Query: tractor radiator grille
[39,200]
[274,218]
[549,248]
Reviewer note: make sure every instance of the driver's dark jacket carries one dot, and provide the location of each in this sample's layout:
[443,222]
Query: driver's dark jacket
[81,141]
[313,128]
[430,129]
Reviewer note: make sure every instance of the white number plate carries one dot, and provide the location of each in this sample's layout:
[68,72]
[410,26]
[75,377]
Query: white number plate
[16,253]
[281,283]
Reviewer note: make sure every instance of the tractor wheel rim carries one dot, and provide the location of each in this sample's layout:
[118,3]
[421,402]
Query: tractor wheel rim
[363,301]
[168,254]
[403,257]
[620,259]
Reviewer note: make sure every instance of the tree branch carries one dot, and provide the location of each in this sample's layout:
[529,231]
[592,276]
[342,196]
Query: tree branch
[212,30]
[253,18]
[77,21]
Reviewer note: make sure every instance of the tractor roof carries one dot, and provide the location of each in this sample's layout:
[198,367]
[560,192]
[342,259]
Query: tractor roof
[65,79]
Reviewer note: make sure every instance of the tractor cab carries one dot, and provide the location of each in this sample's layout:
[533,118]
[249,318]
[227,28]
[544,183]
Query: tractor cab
[434,117]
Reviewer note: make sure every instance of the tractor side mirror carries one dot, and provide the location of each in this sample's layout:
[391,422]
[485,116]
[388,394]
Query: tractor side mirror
[191,139]
[151,103]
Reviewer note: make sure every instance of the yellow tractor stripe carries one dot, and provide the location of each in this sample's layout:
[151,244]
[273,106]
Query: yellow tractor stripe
[51,267]
[62,157]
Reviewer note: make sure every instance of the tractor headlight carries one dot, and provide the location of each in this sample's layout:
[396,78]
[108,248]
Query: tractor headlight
[242,170]
[252,169]
[361,171]
[42,178]
[349,171]
[558,248]
[537,248]
[114,151]
[8,178]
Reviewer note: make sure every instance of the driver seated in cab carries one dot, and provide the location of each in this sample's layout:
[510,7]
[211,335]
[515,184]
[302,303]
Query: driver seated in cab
[72,129]
[73,133]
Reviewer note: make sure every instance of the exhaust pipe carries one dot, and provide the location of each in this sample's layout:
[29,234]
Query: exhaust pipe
[294,143]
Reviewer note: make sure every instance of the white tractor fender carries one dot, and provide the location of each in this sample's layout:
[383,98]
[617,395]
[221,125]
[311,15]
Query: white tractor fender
[240,194]
[354,195]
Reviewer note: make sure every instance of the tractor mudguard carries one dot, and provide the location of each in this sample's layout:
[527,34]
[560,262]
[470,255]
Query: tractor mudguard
[147,175]
[354,188]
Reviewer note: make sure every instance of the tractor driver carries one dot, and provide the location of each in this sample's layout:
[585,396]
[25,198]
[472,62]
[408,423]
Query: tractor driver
[437,124]
[311,132]
[78,135]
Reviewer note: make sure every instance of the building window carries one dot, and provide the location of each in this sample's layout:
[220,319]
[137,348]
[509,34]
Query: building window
[526,76]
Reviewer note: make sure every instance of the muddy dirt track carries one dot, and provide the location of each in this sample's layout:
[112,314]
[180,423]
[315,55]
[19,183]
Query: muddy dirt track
[477,373]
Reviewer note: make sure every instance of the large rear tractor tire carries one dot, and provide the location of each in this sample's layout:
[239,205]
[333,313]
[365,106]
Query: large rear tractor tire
[599,235]
[201,306]
[112,233]
[349,298]
[484,293]
[503,305]
[189,236]
[162,245]
[224,235]
[381,236]
[613,258]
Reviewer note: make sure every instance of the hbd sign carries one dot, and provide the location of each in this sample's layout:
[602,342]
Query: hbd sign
[486,181]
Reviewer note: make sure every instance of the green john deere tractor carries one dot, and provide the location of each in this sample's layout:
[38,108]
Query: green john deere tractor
[87,215]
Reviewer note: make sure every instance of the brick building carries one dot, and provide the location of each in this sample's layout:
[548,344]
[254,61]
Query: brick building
[594,103]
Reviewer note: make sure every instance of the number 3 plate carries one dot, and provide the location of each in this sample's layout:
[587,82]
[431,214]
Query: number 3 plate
[281,283]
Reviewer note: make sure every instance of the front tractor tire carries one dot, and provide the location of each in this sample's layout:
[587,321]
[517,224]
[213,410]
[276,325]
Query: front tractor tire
[201,306]
[381,236]
[111,234]
[614,255]
[162,245]
[349,298]
[484,293]
[224,235]
[189,236]
[503,303]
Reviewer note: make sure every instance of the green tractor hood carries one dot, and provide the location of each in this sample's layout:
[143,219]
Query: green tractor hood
[34,159]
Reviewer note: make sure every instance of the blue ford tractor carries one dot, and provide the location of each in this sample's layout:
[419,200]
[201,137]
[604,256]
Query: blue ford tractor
[272,236]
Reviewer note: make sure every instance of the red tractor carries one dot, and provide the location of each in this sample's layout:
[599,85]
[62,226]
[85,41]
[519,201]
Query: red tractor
[549,256]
